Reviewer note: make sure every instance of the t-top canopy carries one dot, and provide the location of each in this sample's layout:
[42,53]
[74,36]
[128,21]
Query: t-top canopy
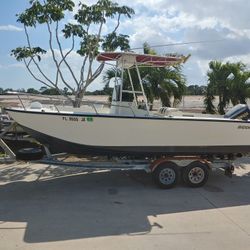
[128,59]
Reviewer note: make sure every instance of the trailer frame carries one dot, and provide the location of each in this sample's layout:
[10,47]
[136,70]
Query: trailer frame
[160,168]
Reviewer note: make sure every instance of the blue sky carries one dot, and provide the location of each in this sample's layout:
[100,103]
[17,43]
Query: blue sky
[155,22]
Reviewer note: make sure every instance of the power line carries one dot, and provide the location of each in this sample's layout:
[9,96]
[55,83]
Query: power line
[181,43]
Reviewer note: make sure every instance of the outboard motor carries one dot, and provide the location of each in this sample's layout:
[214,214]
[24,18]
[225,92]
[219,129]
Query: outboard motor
[240,111]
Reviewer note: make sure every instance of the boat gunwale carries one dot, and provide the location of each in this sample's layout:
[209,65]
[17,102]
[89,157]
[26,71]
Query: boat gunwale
[168,118]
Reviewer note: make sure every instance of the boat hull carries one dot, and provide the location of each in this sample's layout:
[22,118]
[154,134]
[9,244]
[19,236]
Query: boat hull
[137,136]
[57,146]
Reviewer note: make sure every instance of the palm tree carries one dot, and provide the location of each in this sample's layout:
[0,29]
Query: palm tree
[208,101]
[239,83]
[218,81]
[165,83]
[230,82]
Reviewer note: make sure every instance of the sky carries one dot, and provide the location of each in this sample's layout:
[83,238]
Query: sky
[224,25]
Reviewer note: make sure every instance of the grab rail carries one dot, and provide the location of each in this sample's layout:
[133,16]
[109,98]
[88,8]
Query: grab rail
[63,100]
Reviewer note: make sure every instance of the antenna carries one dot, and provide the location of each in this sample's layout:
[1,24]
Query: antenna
[180,44]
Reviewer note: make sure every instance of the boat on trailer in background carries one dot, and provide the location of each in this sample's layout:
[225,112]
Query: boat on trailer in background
[131,130]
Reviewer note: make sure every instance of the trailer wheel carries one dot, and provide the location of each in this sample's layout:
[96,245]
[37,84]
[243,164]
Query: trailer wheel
[166,175]
[28,154]
[195,174]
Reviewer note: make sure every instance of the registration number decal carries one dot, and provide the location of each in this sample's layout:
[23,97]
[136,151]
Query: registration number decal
[77,119]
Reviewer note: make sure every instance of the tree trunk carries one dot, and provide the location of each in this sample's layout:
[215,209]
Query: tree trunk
[78,98]
[221,105]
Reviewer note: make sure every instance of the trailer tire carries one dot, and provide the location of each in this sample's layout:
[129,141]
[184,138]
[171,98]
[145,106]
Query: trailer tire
[28,154]
[166,175]
[195,174]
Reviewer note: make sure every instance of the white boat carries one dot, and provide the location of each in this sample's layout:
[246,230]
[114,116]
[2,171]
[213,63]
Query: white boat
[130,129]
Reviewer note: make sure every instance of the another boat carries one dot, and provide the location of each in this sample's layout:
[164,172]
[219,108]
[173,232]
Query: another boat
[130,129]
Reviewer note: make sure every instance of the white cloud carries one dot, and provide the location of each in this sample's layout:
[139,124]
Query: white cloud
[10,28]
[244,58]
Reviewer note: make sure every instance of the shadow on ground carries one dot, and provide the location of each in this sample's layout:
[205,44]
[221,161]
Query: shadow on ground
[64,204]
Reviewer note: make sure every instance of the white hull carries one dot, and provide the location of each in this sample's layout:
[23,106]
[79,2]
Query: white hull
[155,134]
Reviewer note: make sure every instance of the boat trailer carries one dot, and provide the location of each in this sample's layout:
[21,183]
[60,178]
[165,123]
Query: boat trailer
[166,171]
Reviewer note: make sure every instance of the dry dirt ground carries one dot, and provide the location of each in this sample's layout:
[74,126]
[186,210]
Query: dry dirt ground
[48,207]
